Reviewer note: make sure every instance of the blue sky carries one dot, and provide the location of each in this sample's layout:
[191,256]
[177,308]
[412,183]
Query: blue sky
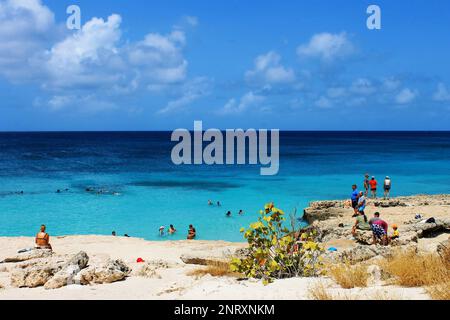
[160,65]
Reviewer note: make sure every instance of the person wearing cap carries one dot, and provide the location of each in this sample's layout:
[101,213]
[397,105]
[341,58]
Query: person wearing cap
[373,188]
[366,184]
[396,233]
[387,187]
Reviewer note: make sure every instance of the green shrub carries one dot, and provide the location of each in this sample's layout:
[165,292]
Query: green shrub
[274,251]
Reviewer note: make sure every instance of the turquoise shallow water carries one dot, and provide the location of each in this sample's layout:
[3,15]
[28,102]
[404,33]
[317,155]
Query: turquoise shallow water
[154,192]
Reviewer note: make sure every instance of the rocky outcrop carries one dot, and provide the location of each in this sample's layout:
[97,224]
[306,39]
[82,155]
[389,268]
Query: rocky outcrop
[424,229]
[324,210]
[28,255]
[56,272]
[364,253]
[150,269]
[68,272]
[112,271]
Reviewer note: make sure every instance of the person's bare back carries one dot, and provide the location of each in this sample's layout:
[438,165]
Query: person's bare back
[43,239]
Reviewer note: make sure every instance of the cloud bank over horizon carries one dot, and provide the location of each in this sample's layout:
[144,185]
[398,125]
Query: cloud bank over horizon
[107,68]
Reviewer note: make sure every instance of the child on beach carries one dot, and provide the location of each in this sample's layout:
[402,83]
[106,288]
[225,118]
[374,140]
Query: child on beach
[396,233]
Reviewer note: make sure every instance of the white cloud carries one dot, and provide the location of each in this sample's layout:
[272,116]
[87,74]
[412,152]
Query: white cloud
[250,99]
[190,92]
[323,102]
[268,70]
[405,96]
[191,20]
[327,46]
[442,93]
[362,86]
[25,28]
[159,58]
[93,61]
[86,58]
[336,92]
[391,84]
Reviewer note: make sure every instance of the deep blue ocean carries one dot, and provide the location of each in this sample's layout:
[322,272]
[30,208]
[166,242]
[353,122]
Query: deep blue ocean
[135,188]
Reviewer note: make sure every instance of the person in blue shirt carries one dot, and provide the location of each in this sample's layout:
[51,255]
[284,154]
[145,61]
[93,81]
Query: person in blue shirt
[354,198]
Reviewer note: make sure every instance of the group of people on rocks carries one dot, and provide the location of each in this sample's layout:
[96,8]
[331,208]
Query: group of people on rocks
[378,226]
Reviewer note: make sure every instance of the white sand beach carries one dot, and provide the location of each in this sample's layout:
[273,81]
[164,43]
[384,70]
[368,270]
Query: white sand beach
[172,282]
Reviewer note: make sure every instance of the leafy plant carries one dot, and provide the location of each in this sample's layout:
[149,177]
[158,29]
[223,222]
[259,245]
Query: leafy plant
[276,252]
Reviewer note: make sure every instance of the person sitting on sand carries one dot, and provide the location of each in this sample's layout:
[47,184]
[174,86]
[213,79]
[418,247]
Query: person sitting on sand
[172,229]
[191,232]
[229,214]
[43,239]
[379,229]
[361,223]
[387,187]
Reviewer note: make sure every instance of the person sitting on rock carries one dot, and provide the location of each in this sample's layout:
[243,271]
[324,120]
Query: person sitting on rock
[43,239]
[361,223]
[396,233]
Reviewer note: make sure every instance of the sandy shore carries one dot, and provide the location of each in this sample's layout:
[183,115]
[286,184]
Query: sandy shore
[173,282]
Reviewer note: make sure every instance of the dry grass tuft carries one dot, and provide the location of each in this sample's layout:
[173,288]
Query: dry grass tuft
[215,269]
[349,276]
[439,291]
[318,291]
[413,270]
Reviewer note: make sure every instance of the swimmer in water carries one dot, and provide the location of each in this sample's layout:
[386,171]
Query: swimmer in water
[218,203]
[172,229]
[241,212]
[113,233]
[161,231]
[229,214]
[210,203]
[191,232]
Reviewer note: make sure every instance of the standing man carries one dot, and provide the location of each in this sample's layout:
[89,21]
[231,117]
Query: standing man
[373,188]
[354,198]
[387,187]
[366,184]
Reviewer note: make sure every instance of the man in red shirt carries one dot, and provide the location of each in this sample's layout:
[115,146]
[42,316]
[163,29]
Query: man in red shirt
[373,188]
